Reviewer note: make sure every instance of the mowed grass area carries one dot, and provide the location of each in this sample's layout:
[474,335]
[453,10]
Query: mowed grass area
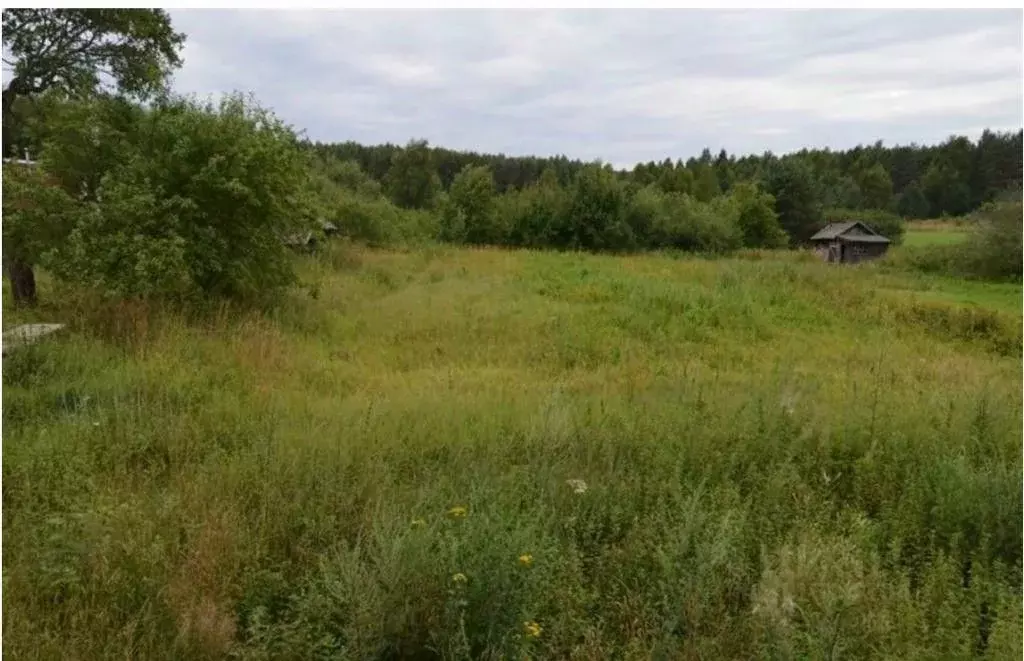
[1000,296]
[924,233]
[782,459]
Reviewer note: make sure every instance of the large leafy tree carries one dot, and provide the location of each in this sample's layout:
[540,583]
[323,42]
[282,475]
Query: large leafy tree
[705,184]
[876,186]
[412,181]
[756,217]
[81,51]
[797,198]
[840,191]
[947,192]
[594,217]
[535,214]
[912,203]
[37,212]
[675,180]
[83,140]
[997,166]
[468,215]
[77,52]
[77,49]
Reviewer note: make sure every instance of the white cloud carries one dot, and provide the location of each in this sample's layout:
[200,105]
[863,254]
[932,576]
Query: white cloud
[622,85]
[508,69]
[403,71]
[980,53]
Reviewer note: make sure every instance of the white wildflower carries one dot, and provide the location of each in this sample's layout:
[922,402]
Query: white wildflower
[578,486]
[788,403]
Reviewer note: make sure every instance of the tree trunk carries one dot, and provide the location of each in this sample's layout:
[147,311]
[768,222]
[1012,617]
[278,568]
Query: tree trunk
[9,127]
[23,282]
[16,88]
[21,275]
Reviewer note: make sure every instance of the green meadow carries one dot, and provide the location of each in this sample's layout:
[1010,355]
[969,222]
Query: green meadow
[445,453]
[926,233]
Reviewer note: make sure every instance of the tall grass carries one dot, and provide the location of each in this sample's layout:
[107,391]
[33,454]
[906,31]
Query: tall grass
[778,462]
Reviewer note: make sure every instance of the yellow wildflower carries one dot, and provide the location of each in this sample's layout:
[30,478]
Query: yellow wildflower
[532,629]
[418,523]
[459,579]
[458,512]
[526,559]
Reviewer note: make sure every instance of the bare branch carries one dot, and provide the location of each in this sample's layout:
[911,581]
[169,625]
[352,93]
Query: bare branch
[65,39]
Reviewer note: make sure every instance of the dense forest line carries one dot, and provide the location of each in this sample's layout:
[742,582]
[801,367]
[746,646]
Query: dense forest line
[914,181]
[705,204]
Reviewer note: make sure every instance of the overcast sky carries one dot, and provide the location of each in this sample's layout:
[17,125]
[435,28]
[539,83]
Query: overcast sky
[623,86]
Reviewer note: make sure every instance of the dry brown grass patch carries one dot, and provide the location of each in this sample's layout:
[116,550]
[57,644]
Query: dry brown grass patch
[199,592]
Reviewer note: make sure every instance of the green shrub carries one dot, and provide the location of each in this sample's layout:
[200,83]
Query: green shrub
[684,223]
[593,217]
[992,250]
[199,203]
[347,175]
[533,213]
[37,214]
[643,212]
[378,222]
[130,246]
[939,259]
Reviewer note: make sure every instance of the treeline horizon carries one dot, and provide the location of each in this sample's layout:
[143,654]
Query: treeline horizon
[915,181]
[183,200]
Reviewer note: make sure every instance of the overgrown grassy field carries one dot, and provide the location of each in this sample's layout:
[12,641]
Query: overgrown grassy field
[455,454]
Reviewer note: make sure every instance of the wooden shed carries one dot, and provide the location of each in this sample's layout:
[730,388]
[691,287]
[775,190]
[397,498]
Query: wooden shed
[849,243]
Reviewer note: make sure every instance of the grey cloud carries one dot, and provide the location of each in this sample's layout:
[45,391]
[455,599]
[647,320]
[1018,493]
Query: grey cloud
[618,85]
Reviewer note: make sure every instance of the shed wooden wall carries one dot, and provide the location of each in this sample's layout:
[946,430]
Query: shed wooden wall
[862,252]
[829,251]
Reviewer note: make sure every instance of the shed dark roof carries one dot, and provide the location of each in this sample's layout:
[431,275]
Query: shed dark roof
[840,231]
[832,230]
